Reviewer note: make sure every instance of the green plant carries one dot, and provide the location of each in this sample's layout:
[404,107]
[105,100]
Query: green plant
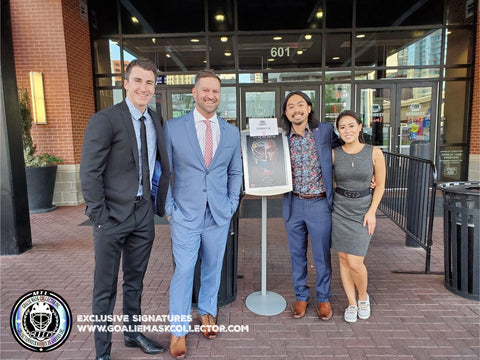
[31,158]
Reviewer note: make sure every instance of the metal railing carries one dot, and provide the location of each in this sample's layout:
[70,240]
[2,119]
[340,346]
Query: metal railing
[409,198]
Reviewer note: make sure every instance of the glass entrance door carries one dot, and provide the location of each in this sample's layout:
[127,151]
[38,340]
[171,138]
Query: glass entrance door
[181,101]
[258,102]
[399,117]
[375,111]
[416,109]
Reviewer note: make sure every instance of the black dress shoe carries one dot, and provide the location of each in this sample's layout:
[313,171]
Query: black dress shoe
[145,344]
[104,357]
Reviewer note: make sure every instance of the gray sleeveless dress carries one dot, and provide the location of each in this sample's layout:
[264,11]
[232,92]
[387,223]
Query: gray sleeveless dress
[351,172]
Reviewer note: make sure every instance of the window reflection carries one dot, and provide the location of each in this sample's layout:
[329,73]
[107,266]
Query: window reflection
[337,99]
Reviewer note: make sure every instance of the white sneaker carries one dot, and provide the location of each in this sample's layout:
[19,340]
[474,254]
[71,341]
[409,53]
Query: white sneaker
[350,314]
[364,308]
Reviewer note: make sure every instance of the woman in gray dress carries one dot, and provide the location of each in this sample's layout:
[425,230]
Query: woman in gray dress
[354,209]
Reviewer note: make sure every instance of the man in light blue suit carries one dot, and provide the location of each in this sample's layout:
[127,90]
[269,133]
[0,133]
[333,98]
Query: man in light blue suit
[204,154]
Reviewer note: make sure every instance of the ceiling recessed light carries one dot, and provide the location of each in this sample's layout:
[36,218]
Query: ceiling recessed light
[224,39]
[276,38]
[134,20]
[336,58]
[319,14]
[219,17]
[299,52]
[308,36]
[194,40]
[168,55]
[360,36]
[227,53]
[270,59]
[154,40]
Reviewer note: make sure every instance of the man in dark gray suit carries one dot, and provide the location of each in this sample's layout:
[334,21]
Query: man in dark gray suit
[116,187]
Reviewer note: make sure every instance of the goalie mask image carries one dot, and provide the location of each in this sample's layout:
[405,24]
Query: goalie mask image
[266,162]
[41,316]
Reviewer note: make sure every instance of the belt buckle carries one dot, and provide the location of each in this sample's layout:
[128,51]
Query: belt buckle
[352,194]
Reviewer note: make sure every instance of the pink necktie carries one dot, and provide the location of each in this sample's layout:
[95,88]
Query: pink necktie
[208,155]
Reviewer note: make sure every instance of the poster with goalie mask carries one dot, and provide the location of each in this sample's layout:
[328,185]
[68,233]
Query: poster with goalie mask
[266,164]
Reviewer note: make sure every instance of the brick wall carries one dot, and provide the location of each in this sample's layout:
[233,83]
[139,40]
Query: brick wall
[474,158]
[475,129]
[51,36]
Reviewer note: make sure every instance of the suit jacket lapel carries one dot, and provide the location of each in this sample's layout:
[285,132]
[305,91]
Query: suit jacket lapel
[127,121]
[221,144]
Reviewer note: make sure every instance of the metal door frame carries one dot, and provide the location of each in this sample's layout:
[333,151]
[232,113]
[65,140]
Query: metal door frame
[395,102]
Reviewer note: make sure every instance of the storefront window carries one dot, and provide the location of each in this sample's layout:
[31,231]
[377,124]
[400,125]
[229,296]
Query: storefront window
[108,97]
[337,98]
[271,51]
[338,50]
[398,48]
[220,15]
[381,13]
[222,55]
[228,104]
[338,14]
[460,46]
[461,12]
[150,17]
[170,54]
[280,15]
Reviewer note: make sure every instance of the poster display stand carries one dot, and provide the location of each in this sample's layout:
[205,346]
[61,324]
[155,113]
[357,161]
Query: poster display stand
[267,171]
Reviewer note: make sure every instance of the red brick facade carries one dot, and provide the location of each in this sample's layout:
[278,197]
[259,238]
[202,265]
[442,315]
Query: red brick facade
[475,125]
[51,36]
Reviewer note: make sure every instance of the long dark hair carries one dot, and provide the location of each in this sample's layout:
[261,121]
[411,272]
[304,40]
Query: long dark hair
[357,119]
[285,123]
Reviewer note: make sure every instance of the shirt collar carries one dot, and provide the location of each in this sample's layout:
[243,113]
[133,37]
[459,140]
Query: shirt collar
[307,130]
[134,112]
[199,117]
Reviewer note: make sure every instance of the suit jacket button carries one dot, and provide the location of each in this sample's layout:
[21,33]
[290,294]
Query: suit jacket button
[204,190]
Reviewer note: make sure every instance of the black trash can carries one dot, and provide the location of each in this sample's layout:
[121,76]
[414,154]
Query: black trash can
[228,285]
[462,238]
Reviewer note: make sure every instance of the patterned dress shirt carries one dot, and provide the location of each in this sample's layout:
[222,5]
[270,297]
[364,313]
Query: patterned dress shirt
[306,170]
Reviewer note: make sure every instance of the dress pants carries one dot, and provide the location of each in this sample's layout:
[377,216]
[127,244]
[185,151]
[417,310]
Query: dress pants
[310,217]
[132,241]
[211,239]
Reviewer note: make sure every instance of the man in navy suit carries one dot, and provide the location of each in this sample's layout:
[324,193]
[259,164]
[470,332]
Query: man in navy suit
[116,182]
[204,154]
[307,209]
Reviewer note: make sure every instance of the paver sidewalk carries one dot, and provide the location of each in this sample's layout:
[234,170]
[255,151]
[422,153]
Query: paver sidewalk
[413,315]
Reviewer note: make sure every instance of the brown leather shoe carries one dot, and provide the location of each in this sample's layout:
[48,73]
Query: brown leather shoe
[178,346]
[299,309]
[208,321]
[325,311]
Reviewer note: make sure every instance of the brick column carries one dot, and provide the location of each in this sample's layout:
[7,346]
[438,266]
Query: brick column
[474,158]
[52,36]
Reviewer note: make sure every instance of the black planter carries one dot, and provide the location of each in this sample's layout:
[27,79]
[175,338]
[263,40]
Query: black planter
[40,187]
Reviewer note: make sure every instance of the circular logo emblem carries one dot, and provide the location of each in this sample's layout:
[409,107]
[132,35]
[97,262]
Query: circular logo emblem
[41,320]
